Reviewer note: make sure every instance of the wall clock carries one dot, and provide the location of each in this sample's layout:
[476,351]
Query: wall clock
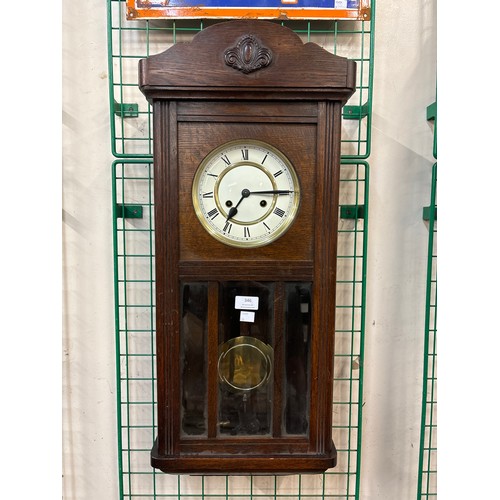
[247,123]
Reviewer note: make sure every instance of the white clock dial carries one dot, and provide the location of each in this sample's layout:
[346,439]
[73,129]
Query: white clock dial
[246,193]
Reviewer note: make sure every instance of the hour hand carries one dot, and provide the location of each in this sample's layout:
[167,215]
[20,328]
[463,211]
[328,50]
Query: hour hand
[234,210]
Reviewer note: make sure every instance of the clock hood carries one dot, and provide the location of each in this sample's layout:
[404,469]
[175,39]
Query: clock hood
[254,59]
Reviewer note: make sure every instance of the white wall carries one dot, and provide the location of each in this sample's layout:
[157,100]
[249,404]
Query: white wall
[89,381]
[400,163]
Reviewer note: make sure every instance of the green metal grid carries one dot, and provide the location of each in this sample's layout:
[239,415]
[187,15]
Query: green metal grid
[131,143]
[427,474]
[135,347]
[129,41]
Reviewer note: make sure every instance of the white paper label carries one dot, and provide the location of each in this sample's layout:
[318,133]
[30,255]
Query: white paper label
[248,303]
[247,316]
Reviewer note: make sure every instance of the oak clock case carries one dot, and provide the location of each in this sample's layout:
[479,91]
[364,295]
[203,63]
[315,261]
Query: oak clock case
[247,152]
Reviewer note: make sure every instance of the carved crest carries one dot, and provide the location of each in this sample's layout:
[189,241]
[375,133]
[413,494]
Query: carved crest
[248,55]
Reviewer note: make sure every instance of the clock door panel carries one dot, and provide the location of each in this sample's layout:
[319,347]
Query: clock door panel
[245,359]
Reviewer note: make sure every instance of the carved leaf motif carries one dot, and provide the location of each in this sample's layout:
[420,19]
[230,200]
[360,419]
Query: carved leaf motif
[248,55]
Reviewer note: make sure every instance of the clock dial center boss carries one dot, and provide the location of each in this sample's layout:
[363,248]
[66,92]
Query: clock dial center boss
[246,193]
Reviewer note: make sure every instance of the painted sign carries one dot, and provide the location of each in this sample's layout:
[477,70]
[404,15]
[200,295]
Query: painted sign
[255,9]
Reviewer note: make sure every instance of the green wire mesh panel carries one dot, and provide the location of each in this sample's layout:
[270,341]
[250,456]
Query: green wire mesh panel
[135,347]
[129,41]
[131,131]
[428,446]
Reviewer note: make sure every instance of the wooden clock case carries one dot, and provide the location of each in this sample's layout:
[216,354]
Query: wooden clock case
[256,80]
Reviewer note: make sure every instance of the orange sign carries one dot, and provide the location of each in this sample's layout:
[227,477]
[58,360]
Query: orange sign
[254,9]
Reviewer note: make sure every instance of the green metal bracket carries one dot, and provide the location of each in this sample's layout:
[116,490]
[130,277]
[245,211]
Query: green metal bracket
[355,112]
[426,215]
[432,115]
[130,110]
[432,111]
[352,212]
[129,211]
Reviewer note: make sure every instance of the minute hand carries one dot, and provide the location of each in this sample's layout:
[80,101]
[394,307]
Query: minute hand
[276,191]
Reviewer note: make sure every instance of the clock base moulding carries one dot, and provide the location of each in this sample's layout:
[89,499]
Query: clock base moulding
[243,464]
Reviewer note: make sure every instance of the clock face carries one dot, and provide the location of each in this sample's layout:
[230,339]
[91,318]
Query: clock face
[246,193]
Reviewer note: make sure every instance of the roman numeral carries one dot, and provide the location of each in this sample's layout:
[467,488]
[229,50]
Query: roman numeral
[225,159]
[227,227]
[215,176]
[246,232]
[279,212]
[244,153]
[264,159]
[278,173]
[208,195]
[267,227]
[213,213]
